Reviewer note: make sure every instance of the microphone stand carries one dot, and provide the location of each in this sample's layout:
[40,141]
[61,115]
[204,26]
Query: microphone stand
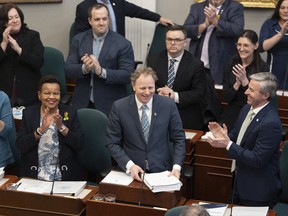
[54,175]
[142,185]
[286,74]
[147,52]
[234,188]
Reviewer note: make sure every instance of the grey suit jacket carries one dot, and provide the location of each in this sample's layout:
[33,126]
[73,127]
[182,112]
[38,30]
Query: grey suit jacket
[125,138]
[116,56]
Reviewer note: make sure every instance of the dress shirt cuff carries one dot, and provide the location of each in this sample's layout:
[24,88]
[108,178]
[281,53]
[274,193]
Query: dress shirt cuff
[176,97]
[84,71]
[178,167]
[103,74]
[128,166]
[229,145]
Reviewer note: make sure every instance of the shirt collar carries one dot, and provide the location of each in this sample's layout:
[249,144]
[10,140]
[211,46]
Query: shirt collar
[100,38]
[178,58]
[139,104]
[256,110]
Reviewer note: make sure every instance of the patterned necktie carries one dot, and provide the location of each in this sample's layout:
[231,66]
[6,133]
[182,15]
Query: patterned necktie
[96,50]
[171,73]
[244,127]
[145,122]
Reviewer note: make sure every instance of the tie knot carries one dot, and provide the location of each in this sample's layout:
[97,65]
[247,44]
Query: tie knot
[251,114]
[172,61]
[144,107]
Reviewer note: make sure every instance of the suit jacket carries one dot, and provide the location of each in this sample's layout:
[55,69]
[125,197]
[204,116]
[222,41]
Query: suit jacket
[223,38]
[116,56]
[25,69]
[257,157]
[121,9]
[69,145]
[190,83]
[126,141]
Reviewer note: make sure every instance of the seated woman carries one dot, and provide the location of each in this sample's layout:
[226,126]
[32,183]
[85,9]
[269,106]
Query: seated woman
[236,75]
[50,136]
[6,156]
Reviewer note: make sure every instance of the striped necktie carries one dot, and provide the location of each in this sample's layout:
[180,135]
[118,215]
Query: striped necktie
[145,122]
[171,73]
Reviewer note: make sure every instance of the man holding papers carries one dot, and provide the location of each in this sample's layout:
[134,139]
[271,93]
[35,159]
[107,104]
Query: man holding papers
[141,128]
[254,144]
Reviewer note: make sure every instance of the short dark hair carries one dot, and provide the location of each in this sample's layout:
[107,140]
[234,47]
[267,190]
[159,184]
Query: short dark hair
[48,79]
[177,28]
[97,6]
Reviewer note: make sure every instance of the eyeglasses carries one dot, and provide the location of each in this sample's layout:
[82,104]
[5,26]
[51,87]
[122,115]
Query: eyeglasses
[54,94]
[175,40]
[239,45]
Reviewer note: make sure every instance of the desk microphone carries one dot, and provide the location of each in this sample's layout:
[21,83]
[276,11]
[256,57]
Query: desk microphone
[146,56]
[233,190]
[54,175]
[142,185]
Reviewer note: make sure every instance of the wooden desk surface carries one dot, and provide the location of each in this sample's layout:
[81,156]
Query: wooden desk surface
[11,179]
[192,201]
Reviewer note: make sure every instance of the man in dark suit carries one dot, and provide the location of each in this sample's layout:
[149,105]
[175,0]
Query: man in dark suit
[139,145]
[188,89]
[118,10]
[214,27]
[254,147]
[102,61]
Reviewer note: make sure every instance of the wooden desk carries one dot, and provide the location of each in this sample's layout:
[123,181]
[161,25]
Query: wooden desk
[10,179]
[212,173]
[124,209]
[15,203]
[192,201]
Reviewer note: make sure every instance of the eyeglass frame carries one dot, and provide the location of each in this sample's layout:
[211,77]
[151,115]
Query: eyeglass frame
[176,40]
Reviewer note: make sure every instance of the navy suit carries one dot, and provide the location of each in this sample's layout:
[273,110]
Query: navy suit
[121,9]
[190,83]
[69,145]
[223,38]
[116,56]
[125,138]
[257,157]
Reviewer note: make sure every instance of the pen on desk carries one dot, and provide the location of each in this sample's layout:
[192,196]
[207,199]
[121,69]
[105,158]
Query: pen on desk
[17,185]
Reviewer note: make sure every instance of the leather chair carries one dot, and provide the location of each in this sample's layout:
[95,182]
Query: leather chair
[176,211]
[282,206]
[54,65]
[95,158]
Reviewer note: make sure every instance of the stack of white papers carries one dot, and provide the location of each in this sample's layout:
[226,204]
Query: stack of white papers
[247,211]
[215,209]
[160,182]
[117,177]
[72,188]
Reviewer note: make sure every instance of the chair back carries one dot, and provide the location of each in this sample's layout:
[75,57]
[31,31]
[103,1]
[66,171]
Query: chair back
[12,140]
[71,33]
[176,211]
[284,173]
[158,43]
[95,157]
[54,65]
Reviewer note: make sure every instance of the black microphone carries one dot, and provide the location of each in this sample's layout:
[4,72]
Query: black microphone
[146,56]
[54,175]
[146,167]
[285,81]
[233,190]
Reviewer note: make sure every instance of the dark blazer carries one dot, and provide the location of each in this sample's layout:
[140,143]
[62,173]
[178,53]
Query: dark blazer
[25,69]
[125,138]
[116,56]
[69,145]
[223,38]
[121,9]
[257,157]
[190,83]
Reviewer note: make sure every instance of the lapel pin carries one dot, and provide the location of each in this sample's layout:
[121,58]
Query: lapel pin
[257,120]
[155,114]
